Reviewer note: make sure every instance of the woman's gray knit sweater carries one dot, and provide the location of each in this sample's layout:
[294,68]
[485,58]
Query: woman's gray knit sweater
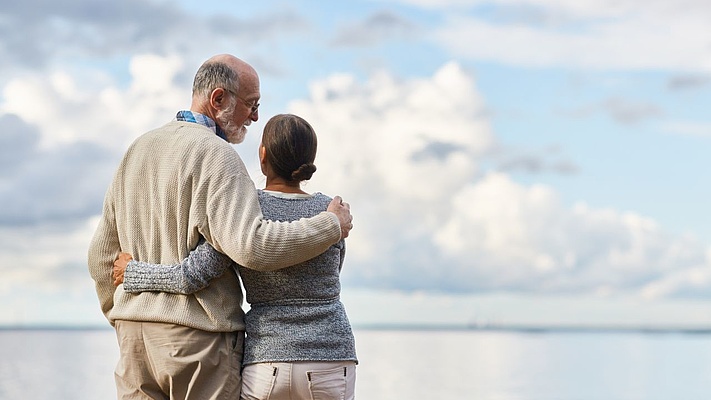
[296,313]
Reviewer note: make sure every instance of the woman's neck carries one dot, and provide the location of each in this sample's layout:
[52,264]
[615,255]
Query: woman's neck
[280,185]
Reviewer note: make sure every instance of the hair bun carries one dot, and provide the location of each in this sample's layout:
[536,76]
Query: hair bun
[304,172]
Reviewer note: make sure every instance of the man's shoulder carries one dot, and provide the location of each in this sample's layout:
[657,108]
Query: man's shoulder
[193,137]
[184,130]
[193,146]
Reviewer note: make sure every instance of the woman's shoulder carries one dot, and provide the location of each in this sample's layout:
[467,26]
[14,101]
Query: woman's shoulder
[278,205]
[318,196]
[314,197]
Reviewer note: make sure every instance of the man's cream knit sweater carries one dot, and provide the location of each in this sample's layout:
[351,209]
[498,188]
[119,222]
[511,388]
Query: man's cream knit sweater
[174,184]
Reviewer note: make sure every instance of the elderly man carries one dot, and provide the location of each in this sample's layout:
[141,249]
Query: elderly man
[176,184]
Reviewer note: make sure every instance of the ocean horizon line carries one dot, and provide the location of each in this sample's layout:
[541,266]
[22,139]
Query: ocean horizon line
[521,328]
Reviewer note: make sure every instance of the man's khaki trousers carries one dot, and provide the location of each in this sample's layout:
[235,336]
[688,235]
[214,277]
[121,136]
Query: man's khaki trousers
[166,361]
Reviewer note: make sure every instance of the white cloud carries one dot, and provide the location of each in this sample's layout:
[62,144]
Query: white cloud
[393,141]
[628,44]
[429,217]
[630,34]
[621,110]
[407,154]
[398,122]
[51,256]
[45,275]
[379,26]
[66,133]
[686,128]
[580,8]
[90,107]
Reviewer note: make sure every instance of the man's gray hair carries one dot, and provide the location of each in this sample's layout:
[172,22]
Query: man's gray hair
[212,75]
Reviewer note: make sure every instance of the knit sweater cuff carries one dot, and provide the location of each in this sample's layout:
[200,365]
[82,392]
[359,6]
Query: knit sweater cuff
[144,277]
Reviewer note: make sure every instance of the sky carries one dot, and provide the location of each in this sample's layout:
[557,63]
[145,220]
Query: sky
[506,161]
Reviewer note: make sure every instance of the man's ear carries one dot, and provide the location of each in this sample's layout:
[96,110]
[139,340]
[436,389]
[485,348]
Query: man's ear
[218,98]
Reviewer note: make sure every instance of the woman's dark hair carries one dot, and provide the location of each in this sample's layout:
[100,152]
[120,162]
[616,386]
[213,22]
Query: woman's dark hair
[290,144]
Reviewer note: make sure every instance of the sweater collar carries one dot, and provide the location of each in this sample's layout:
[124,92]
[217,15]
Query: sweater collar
[204,120]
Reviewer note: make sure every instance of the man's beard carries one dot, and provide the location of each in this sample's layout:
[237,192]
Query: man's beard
[235,134]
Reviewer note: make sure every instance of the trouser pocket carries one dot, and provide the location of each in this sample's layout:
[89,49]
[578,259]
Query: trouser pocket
[328,384]
[258,381]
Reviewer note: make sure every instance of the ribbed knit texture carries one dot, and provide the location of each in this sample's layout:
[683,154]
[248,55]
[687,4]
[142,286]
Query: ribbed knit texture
[175,184]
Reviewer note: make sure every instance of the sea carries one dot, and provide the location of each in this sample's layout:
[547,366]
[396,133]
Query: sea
[413,364]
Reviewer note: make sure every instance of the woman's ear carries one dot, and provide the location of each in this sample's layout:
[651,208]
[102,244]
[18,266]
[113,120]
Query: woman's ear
[263,158]
[262,153]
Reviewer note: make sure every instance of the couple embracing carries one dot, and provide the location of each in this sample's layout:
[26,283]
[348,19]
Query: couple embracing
[182,222]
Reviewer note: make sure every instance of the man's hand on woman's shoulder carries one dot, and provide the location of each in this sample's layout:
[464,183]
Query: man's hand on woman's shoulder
[343,212]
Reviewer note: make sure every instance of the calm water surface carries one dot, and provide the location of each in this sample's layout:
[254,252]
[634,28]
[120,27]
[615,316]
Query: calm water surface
[489,365]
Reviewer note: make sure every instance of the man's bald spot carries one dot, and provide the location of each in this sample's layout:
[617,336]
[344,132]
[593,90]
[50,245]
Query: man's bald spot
[236,64]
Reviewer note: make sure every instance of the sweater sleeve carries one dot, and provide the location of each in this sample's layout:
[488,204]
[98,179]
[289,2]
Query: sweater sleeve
[237,227]
[194,273]
[103,249]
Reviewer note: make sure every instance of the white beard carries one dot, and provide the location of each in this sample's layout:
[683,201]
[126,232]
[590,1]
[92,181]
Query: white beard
[235,134]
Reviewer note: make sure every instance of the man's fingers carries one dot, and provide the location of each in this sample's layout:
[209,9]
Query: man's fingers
[343,211]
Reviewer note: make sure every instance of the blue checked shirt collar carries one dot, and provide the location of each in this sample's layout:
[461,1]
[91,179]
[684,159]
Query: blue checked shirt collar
[197,118]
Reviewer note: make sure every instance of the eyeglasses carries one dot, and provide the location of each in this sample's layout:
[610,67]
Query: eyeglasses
[254,106]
